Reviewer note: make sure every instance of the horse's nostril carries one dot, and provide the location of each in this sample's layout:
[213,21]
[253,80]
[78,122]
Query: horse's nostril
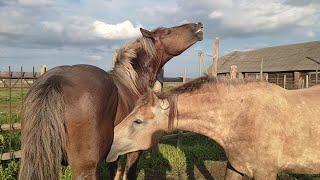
[200,24]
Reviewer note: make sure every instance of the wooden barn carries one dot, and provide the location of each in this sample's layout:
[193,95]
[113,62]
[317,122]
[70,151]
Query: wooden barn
[290,66]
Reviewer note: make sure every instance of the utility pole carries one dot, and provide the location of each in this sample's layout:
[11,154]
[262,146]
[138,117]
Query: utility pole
[216,44]
[201,59]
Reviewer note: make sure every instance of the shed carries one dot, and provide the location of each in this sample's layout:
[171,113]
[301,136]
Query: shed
[286,65]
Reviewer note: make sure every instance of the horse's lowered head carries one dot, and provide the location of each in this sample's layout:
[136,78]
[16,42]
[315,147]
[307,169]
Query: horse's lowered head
[142,128]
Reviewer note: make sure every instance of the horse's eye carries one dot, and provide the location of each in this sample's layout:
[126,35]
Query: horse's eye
[137,121]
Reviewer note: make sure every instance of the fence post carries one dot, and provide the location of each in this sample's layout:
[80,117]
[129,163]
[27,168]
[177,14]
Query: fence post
[184,75]
[233,72]
[296,79]
[200,56]
[307,81]
[284,81]
[21,85]
[216,44]
[43,69]
[301,83]
[317,74]
[10,111]
[261,70]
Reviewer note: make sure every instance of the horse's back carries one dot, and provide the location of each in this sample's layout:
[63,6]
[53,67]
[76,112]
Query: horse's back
[89,90]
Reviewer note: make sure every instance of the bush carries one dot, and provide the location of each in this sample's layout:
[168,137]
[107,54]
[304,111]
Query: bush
[9,170]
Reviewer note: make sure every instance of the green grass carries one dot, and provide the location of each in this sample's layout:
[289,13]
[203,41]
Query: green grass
[168,86]
[167,161]
[16,99]
[9,170]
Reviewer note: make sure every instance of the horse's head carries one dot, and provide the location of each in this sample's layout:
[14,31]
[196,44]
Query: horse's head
[142,128]
[173,41]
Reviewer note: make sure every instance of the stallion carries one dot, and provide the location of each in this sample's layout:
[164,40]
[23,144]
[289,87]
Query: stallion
[70,112]
[263,128]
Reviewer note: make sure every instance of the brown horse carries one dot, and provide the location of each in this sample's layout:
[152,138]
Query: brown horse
[263,128]
[70,112]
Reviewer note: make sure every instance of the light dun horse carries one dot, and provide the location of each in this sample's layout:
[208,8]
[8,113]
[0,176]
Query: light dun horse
[264,129]
[69,114]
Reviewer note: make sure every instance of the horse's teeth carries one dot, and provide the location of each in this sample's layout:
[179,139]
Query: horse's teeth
[199,30]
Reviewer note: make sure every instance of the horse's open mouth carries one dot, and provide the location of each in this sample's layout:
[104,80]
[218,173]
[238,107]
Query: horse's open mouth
[199,34]
[199,30]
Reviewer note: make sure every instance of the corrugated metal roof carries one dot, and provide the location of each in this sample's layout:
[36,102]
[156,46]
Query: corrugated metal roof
[275,59]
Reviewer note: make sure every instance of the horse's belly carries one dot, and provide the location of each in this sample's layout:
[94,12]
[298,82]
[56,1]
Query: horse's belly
[304,162]
[302,168]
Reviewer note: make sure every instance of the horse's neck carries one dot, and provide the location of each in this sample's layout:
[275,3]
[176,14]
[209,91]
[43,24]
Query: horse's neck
[147,70]
[206,114]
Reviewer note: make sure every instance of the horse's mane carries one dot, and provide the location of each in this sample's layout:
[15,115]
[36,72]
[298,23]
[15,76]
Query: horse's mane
[199,83]
[123,70]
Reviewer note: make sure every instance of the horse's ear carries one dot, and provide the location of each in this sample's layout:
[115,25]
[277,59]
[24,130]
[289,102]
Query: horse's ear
[146,33]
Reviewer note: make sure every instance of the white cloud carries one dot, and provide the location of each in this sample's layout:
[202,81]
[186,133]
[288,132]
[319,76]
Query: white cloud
[156,10]
[35,3]
[184,22]
[311,34]
[254,16]
[216,14]
[124,30]
[94,57]
[53,26]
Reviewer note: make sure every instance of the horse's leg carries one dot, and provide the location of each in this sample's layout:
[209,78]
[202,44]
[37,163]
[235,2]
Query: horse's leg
[84,162]
[88,145]
[232,175]
[265,175]
[115,170]
[130,171]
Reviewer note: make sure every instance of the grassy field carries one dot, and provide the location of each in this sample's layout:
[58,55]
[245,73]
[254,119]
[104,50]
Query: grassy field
[197,157]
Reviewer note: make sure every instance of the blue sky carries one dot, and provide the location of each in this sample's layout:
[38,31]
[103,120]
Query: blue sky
[59,32]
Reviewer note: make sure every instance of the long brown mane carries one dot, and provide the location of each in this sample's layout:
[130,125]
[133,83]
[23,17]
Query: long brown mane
[124,74]
[123,70]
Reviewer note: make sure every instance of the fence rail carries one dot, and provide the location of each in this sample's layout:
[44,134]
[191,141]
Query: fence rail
[10,155]
[10,127]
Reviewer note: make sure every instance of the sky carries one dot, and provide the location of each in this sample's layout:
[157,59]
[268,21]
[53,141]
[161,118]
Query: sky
[66,32]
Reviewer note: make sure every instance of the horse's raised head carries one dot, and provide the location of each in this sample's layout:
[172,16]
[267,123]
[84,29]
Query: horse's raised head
[173,41]
[142,128]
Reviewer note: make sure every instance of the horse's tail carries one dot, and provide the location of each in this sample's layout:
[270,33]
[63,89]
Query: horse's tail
[43,130]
